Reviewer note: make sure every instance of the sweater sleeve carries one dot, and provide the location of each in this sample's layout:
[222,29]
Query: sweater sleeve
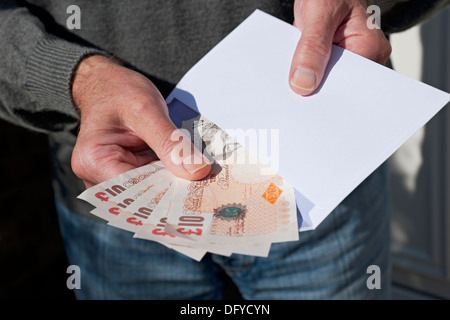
[36,68]
[385,5]
[399,15]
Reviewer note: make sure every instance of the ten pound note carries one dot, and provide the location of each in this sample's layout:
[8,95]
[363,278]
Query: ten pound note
[241,201]
[240,207]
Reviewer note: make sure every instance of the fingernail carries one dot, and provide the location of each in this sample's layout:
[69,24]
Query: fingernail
[304,78]
[194,163]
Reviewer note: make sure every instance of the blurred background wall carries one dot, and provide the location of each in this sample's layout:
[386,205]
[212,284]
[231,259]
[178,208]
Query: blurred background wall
[420,171]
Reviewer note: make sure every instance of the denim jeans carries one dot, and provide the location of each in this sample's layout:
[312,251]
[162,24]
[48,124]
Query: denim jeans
[330,262]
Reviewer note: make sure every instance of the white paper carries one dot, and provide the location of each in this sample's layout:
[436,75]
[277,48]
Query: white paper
[328,142]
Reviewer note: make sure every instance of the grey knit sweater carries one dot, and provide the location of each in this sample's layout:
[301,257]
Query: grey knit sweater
[160,38]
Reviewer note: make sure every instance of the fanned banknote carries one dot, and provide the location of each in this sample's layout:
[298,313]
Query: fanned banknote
[241,201]
[115,200]
[241,207]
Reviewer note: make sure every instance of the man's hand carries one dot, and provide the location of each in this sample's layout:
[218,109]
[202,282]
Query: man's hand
[125,124]
[327,22]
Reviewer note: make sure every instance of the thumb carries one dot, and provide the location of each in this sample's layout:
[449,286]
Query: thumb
[318,25]
[172,146]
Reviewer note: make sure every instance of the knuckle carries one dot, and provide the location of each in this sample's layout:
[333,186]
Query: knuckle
[385,50]
[138,108]
[142,108]
[77,163]
[166,141]
[83,159]
[312,45]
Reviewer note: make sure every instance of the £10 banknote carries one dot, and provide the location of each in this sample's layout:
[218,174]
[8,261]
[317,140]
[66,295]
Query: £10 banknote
[241,207]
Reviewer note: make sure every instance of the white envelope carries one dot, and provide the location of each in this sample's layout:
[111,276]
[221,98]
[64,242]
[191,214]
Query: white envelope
[328,142]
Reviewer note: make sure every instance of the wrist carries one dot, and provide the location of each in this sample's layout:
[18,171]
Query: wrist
[87,72]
